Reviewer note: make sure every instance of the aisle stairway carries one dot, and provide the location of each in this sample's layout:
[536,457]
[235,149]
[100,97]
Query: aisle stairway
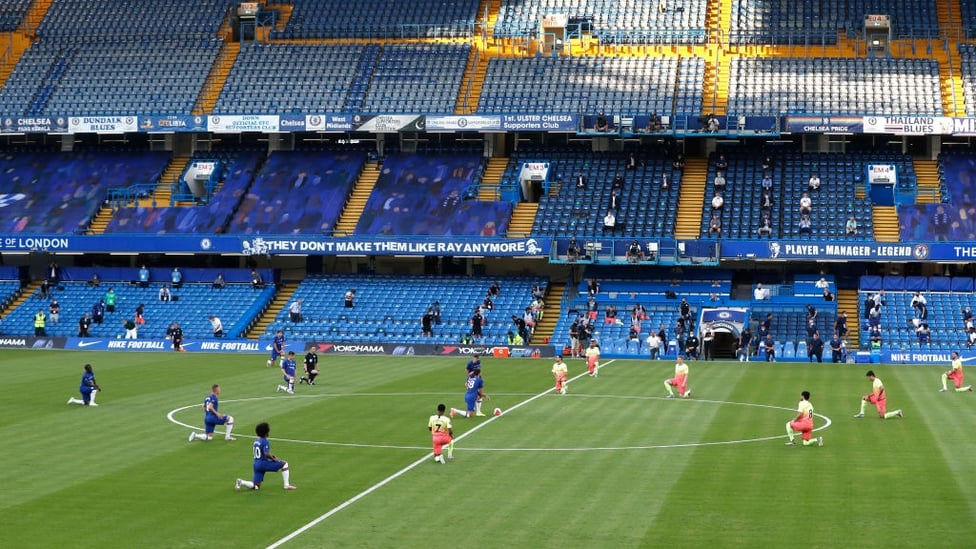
[163,194]
[490,182]
[928,182]
[217,78]
[554,304]
[522,220]
[25,294]
[285,291]
[847,300]
[885,223]
[691,200]
[357,200]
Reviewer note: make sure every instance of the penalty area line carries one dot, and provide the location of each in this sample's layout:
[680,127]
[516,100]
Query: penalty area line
[328,514]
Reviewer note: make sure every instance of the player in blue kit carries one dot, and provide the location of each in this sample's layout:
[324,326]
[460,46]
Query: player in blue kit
[474,364]
[277,348]
[288,367]
[473,395]
[89,388]
[264,462]
[212,417]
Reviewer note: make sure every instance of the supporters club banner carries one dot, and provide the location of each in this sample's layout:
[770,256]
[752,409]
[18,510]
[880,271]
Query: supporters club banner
[41,124]
[229,123]
[380,123]
[172,123]
[823,124]
[103,124]
[464,123]
[908,125]
[277,245]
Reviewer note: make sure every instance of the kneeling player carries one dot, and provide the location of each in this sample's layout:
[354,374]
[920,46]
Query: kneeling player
[442,434]
[264,462]
[879,398]
[212,417]
[560,372]
[955,374]
[473,395]
[803,423]
[680,379]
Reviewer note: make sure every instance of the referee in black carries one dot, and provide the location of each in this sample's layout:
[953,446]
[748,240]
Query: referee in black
[311,367]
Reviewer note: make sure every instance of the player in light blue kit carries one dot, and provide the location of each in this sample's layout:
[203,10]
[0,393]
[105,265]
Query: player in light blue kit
[277,348]
[473,395]
[89,388]
[212,417]
[288,368]
[264,462]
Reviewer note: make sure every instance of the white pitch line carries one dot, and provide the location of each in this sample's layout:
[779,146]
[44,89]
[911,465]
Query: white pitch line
[403,471]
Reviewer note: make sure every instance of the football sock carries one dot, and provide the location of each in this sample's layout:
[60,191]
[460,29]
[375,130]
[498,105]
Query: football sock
[963,389]
[92,399]
[789,431]
[200,436]
[477,407]
[810,442]
[450,450]
[247,484]
[302,379]
[945,378]
[668,387]
[461,413]
[291,386]
[74,400]
[890,415]
[285,474]
[311,378]
[864,404]
[230,427]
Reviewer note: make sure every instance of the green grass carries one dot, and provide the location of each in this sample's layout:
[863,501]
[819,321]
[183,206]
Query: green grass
[611,464]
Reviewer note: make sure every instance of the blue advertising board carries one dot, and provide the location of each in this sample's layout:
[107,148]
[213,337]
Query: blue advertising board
[460,246]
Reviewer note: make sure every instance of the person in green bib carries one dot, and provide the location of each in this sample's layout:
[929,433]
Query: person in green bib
[110,300]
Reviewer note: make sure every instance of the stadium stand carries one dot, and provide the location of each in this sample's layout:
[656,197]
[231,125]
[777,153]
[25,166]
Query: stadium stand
[646,209]
[429,195]
[952,219]
[946,298]
[412,78]
[295,78]
[782,22]
[610,21]
[759,86]
[297,192]
[379,19]
[75,187]
[12,14]
[624,86]
[649,291]
[239,170]
[236,305]
[389,308]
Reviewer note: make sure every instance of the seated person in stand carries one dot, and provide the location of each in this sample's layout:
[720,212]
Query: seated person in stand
[715,225]
[602,124]
[766,226]
[609,223]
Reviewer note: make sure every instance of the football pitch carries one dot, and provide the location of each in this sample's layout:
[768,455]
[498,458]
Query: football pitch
[610,464]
